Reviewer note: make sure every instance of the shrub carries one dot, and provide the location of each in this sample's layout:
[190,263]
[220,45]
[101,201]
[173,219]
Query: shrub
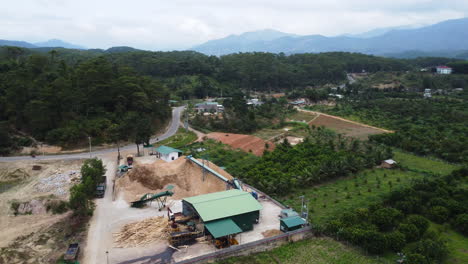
[395,241]
[419,221]
[461,223]
[410,231]
[57,206]
[439,214]
[432,250]
[374,242]
[386,218]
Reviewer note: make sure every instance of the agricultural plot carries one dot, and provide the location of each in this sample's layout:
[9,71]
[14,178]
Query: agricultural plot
[346,127]
[247,143]
[315,250]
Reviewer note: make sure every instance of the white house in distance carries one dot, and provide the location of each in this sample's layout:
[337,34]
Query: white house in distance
[443,70]
[167,153]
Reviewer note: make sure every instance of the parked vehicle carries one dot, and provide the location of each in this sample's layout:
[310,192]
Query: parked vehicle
[72,252]
[101,188]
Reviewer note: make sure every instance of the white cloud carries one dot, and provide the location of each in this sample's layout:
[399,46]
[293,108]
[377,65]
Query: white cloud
[152,24]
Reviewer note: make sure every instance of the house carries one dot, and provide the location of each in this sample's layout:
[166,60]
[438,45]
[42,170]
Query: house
[224,213]
[388,164]
[254,102]
[212,107]
[427,93]
[443,70]
[299,102]
[167,153]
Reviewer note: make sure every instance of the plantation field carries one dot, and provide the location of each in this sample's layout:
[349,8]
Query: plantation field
[364,188]
[361,190]
[315,250]
[179,140]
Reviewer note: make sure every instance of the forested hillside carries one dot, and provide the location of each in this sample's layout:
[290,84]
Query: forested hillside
[62,96]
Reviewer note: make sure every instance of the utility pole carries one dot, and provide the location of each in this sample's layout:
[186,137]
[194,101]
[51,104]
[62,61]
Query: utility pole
[186,120]
[89,138]
[107,256]
[302,205]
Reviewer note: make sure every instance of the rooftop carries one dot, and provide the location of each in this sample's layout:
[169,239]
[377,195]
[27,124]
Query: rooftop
[223,227]
[167,150]
[224,204]
[293,221]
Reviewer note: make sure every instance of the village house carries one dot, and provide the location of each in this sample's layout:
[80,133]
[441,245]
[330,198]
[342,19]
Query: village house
[443,70]
[388,164]
[212,107]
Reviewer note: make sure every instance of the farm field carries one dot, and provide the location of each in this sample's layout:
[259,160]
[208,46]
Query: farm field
[345,127]
[247,143]
[315,250]
[366,187]
[302,116]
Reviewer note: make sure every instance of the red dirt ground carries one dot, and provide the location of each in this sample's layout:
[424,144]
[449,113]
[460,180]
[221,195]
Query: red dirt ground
[244,142]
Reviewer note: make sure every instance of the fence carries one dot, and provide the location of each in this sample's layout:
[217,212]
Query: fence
[252,247]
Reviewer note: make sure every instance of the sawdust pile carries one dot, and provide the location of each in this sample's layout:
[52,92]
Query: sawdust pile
[184,175]
[272,233]
[142,233]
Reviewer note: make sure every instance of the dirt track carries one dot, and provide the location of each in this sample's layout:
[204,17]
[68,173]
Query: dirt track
[247,143]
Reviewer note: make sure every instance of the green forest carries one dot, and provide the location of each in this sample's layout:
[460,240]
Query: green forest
[63,97]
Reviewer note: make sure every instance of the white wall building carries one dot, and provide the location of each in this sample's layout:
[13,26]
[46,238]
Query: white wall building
[443,70]
[167,153]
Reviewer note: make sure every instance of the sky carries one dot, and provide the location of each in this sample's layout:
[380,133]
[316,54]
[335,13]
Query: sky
[181,24]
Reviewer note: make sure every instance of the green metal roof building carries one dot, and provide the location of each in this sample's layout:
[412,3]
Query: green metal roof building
[291,223]
[224,213]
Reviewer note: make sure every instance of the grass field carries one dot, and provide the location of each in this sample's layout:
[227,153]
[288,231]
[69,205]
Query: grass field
[179,140]
[430,165]
[302,116]
[315,250]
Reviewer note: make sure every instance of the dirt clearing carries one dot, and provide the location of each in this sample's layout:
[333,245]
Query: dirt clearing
[247,143]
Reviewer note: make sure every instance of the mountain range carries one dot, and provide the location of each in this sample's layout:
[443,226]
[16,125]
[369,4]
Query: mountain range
[450,35]
[51,43]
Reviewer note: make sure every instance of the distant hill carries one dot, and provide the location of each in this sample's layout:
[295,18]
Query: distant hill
[15,43]
[58,44]
[238,43]
[450,35]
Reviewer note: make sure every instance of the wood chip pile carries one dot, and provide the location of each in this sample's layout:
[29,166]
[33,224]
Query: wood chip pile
[142,233]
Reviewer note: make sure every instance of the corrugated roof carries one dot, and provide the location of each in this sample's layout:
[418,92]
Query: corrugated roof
[167,150]
[293,221]
[222,227]
[219,205]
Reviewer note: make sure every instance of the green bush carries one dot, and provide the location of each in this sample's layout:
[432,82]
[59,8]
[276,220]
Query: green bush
[439,214]
[386,218]
[419,221]
[410,231]
[396,241]
[57,206]
[461,223]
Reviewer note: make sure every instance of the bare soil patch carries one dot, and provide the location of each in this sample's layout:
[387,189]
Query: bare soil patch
[247,143]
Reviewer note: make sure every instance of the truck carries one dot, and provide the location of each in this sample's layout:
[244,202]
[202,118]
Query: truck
[129,160]
[101,188]
[72,253]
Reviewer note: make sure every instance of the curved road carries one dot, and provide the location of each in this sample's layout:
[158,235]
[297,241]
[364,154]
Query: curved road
[169,132]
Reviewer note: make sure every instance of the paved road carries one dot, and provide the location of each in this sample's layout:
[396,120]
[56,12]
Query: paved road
[176,112]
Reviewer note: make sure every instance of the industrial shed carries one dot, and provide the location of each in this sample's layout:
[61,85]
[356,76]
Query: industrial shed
[224,213]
